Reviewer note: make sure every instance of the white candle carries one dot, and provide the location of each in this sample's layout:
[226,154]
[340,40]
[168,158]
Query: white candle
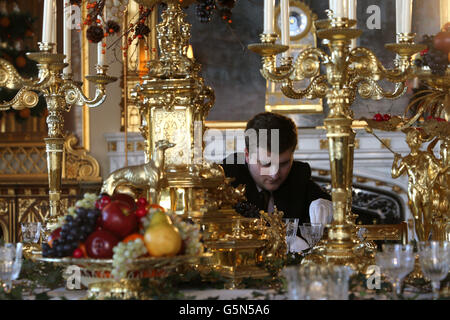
[285,29]
[407,7]
[352,15]
[100,48]
[352,4]
[269,16]
[339,7]
[47,21]
[68,35]
[403,14]
[332,5]
[54,25]
[100,55]
[398,16]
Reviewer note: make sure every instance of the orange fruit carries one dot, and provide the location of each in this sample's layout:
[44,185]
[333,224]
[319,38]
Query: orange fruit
[133,237]
[82,247]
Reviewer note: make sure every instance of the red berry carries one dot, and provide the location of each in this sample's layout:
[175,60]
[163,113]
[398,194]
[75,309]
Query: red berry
[104,201]
[141,212]
[378,117]
[77,253]
[440,119]
[386,117]
[430,118]
[142,202]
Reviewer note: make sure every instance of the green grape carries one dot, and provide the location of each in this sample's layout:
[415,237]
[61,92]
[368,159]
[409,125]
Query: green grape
[124,254]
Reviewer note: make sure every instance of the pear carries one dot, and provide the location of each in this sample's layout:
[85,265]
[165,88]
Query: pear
[159,217]
[162,240]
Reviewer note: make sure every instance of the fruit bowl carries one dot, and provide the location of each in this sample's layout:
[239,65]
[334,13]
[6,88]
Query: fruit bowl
[99,270]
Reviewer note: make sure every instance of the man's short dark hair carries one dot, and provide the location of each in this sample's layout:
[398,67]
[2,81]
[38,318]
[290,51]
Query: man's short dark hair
[268,120]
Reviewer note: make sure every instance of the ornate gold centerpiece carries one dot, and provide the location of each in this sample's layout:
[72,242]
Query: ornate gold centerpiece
[348,71]
[174,102]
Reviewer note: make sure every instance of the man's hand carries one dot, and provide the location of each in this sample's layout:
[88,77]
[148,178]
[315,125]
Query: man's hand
[321,211]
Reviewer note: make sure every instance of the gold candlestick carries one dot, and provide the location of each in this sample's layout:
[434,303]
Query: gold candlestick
[60,93]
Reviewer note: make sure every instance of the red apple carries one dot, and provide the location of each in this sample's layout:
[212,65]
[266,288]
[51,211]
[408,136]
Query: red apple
[125,198]
[119,219]
[100,244]
[55,235]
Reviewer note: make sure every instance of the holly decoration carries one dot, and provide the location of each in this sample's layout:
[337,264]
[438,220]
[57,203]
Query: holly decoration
[98,28]
[431,57]
[206,8]
[138,29]
[382,117]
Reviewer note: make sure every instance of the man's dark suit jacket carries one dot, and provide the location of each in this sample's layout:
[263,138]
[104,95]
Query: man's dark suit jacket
[293,197]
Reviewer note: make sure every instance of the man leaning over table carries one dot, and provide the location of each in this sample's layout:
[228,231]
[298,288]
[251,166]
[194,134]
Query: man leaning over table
[274,178]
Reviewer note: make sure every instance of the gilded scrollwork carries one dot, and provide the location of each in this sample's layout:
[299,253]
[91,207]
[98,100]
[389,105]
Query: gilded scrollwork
[79,165]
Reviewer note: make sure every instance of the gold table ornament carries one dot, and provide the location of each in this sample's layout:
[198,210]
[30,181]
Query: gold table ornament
[60,93]
[348,71]
[174,102]
[428,175]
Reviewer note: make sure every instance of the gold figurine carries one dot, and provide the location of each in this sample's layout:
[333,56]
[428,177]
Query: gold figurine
[149,176]
[422,169]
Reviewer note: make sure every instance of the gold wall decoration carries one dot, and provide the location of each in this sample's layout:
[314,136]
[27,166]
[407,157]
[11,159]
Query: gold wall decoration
[77,163]
[27,200]
[23,160]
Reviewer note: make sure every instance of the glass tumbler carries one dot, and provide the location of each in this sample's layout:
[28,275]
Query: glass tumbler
[7,256]
[31,232]
[434,261]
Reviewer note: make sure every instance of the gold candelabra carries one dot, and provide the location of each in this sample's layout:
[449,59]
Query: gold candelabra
[60,93]
[348,71]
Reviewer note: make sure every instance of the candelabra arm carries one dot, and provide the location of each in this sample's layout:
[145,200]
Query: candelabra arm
[273,73]
[23,99]
[399,90]
[75,96]
[316,89]
[307,63]
[368,88]
[368,65]
[10,78]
